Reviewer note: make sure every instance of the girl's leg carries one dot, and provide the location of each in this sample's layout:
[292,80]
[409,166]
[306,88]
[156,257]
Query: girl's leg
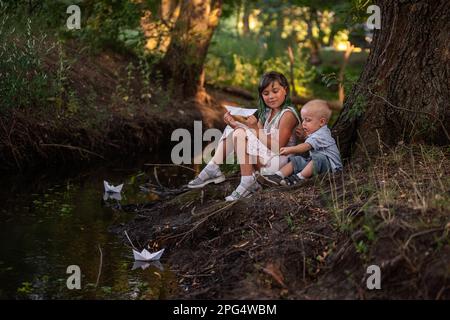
[211,172]
[224,148]
[240,145]
[248,183]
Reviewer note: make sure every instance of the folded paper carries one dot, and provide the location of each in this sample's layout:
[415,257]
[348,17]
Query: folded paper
[237,111]
[112,189]
[144,255]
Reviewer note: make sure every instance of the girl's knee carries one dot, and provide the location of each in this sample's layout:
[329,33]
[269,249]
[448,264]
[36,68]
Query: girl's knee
[239,133]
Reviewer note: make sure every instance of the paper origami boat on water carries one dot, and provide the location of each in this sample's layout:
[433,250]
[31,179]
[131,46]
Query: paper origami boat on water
[144,265]
[111,188]
[144,255]
[112,195]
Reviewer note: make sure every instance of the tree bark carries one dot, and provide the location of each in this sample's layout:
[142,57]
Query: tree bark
[182,65]
[314,44]
[403,93]
[246,18]
[168,10]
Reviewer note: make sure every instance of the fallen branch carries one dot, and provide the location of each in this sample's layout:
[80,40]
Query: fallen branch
[169,165]
[335,105]
[70,147]
[100,266]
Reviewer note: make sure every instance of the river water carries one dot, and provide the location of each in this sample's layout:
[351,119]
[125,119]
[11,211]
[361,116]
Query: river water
[53,220]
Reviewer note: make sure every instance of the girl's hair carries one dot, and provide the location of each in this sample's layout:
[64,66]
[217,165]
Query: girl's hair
[266,80]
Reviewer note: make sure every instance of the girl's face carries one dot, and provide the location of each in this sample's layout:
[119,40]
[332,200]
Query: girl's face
[274,95]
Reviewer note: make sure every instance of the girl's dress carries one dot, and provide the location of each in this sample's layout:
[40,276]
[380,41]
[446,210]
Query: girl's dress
[271,161]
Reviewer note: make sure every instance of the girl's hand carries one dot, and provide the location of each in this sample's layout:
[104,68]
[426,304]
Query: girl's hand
[285,151]
[252,122]
[229,120]
[300,133]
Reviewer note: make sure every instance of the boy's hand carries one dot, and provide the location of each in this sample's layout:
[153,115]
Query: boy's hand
[300,133]
[285,151]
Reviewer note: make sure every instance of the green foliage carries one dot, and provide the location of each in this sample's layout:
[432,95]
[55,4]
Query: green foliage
[361,247]
[249,60]
[111,23]
[290,222]
[23,82]
[358,108]
[25,289]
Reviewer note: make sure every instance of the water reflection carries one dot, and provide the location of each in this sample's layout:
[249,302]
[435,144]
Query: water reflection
[49,224]
[144,265]
[112,196]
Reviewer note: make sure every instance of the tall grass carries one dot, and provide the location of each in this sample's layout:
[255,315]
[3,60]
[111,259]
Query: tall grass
[24,83]
[413,177]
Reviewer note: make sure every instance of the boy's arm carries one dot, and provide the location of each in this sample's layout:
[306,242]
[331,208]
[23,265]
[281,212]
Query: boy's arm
[300,148]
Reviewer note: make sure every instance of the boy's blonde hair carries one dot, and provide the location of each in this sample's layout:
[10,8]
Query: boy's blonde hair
[320,108]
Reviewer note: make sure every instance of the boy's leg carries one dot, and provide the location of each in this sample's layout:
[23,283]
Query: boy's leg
[287,170]
[321,164]
[317,165]
[298,164]
[276,178]
[307,171]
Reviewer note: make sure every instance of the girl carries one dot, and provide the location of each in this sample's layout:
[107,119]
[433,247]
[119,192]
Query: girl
[261,139]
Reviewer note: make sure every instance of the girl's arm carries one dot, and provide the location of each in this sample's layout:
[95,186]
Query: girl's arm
[287,124]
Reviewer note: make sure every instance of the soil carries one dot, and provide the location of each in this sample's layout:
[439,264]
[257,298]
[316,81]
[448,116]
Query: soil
[286,242]
[114,116]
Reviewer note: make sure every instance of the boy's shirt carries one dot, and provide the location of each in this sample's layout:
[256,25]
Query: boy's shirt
[322,142]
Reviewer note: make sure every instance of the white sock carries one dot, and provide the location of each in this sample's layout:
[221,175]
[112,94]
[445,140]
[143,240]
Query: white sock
[211,170]
[279,173]
[247,181]
[300,176]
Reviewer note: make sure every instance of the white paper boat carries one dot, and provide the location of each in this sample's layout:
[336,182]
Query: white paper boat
[144,265]
[237,111]
[147,256]
[111,188]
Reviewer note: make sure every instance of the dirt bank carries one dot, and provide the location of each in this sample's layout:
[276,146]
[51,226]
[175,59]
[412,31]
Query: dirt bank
[106,107]
[313,241]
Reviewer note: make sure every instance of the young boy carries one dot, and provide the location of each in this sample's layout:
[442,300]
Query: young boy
[323,152]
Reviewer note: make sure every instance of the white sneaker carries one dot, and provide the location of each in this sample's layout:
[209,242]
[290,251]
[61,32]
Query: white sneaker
[199,183]
[246,193]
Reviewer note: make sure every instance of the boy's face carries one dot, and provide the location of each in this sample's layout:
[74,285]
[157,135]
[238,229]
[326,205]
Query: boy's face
[311,121]
[274,95]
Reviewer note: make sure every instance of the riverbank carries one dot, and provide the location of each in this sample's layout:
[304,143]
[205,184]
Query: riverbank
[313,241]
[104,107]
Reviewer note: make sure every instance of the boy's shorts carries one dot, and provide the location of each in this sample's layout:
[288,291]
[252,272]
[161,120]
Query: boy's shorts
[321,163]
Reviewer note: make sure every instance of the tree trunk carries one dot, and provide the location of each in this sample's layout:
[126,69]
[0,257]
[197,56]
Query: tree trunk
[182,65]
[291,70]
[168,10]
[403,93]
[341,77]
[245,19]
[314,44]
